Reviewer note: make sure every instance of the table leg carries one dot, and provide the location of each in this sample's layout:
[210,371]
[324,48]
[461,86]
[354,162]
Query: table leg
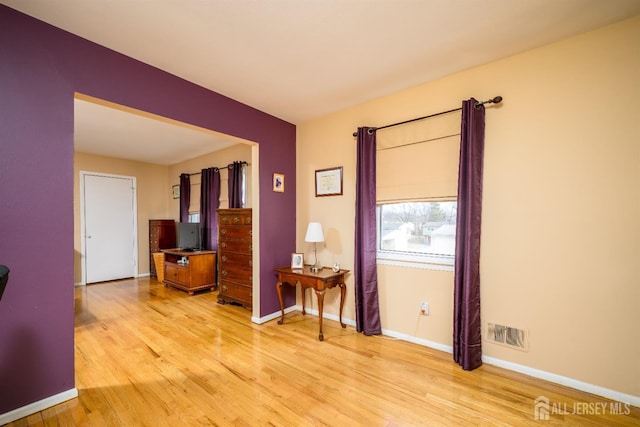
[320,295]
[303,289]
[343,289]
[279,290]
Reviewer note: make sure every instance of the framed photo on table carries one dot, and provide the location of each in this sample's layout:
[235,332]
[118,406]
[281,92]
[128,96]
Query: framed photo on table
[329,182]
[297,261]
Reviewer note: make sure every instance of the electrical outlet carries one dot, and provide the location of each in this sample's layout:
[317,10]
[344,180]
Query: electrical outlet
[424,308]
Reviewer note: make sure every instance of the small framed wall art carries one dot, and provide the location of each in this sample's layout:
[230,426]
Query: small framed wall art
[278,182]
[329,182]
[176,191]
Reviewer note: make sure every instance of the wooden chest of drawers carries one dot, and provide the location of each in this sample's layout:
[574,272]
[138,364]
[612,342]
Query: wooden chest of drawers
[162,235]
[235,262]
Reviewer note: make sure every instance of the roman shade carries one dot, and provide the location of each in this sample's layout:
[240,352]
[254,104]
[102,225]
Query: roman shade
[419,160]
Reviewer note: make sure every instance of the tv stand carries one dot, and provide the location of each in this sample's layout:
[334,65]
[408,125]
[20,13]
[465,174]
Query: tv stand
[189,270]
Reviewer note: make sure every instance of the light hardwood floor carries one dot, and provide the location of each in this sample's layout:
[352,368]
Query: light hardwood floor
[146,355]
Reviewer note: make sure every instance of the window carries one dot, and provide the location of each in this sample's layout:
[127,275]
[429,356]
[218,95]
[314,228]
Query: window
[418,161]
[194,217]
[244,186]
[418,234]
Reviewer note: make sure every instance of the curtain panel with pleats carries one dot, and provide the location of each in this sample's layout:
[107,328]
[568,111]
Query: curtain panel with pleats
[235,184]
[467,326]
[365,268]
[185,196]
[209,204]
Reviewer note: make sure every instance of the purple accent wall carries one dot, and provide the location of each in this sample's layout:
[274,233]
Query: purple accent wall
[40,69]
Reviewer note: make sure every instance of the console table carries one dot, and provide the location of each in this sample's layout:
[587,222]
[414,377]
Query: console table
[319,281]
[189,271]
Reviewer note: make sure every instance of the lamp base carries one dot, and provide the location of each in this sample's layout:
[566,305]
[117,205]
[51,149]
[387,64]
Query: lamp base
[315,269]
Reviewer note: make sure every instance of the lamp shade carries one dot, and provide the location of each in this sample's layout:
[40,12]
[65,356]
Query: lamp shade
[314,233]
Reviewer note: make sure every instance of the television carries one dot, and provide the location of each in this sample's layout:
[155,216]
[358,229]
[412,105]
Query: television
[188,236]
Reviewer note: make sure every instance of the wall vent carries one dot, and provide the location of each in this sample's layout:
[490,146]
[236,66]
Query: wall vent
[507,336]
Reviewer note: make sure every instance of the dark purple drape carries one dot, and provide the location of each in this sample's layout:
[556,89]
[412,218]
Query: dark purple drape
[185,196]
[467,346]
[365,269]
[235,185]
[209,203]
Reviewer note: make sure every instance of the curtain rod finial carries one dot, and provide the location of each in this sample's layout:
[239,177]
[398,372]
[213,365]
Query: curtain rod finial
[494,100]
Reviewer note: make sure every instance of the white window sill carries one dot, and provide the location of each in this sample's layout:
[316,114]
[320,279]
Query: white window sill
[439,263]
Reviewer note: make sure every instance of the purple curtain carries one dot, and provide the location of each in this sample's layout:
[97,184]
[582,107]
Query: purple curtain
[467,346]
[185,196]
[365,269]
[209,203]
[235,185]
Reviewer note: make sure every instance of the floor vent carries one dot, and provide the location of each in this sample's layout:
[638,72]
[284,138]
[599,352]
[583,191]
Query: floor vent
[507,336]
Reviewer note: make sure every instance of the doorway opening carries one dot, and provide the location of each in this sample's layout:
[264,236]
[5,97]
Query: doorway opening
[113,139]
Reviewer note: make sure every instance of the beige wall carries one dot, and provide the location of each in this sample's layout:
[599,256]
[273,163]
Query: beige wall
[154,193]
[561,212]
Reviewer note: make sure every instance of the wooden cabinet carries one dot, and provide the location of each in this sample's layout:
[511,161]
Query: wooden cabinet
[189,271]
[162,235]
[235,257]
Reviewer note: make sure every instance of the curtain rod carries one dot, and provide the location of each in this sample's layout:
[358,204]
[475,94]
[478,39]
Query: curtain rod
[225,167]
[494,100]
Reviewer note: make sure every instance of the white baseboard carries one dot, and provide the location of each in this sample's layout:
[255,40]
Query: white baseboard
[275,315]
[532,372]
[38,406]
[562,380]
[419,341]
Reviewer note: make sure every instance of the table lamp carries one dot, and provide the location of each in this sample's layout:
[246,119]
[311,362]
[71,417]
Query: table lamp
[314,235]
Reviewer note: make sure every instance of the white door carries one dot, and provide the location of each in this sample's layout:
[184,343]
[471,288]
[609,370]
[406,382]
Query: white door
[109,227]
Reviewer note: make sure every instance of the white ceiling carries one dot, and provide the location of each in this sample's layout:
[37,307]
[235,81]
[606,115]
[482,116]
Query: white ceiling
[302,59]
[112,132]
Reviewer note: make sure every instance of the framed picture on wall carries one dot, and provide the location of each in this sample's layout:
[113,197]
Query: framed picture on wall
[176,191]
[329,182]
[278,182]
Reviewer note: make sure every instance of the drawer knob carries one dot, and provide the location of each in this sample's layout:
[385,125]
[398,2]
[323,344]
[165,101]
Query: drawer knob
[223,231]
[224,272]
[236,220]
[248,220]
[224,288]
[224,258]
[224,244]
